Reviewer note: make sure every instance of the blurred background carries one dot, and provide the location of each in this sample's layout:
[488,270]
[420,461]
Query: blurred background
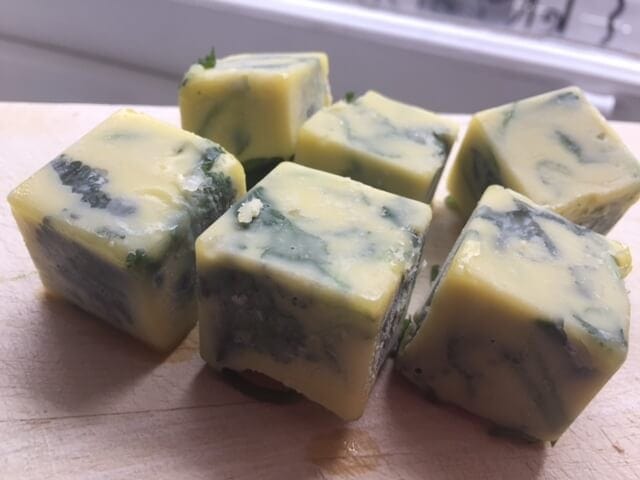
[445,55]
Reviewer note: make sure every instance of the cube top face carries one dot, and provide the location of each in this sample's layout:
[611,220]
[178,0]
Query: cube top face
[131,183]
[273,63]
[390,132]
[571,273]
[254,104]
[331,233]
[557,149]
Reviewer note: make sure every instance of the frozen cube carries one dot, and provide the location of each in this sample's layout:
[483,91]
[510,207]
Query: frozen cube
[528,319]
[381,142]
[111,222]
[254,104]
[557,150]
[306,280]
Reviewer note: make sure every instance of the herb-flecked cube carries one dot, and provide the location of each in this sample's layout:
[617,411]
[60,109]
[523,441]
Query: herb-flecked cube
[554,148]
[111,222]
[527,321]
[306,280]
[381,142]
[254,104]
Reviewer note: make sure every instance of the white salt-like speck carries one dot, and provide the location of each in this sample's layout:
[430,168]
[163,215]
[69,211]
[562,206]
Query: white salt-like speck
[249,210]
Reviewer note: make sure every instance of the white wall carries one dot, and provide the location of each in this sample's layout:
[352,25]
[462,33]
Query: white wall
[135,51]
[33,73]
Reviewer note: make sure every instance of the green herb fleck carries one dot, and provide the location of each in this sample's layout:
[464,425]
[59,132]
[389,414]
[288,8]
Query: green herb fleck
[481,171]
[508,115]
[350,96]
[406,323]
[209,157]
[553,329]
[289,241]
[520,223]
[392,215]
[603,336]
[98,284]
[435,270]
[566,98]
[208,61]
[214,195]
[83,180]
[255,316]
[88,183]
[569,143]
[451,203]
[443,143]
[138,259]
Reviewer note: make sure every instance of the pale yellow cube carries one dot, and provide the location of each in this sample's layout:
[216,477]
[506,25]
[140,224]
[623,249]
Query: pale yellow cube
[554,148]
[381,142]
[254,104]
[307,280]
[111,222]
[527,321]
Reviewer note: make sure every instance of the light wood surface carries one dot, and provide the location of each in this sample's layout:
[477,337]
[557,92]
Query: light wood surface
[79,400]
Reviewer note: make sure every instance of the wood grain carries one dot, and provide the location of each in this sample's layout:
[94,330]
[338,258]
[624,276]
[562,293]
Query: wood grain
[79,400]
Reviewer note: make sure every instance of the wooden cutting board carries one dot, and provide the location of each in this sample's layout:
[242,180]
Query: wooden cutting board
[79,400]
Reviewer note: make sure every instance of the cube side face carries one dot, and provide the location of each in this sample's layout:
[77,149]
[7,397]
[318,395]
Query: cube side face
[600,212]
[254,319]
[475,169]
[253,105]
[302,288]
[380,142]
[71,271]
[561,153]
[111,222]
[246,113]
[310,92]
[528,356]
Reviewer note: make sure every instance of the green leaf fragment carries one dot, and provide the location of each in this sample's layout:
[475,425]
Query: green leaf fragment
[209,60]
[569,143]
[508,115]
[566,98]
[214,195]
[138,259]
[451,203]
[289,241]
[350,96]
[209,157]
[435,270]
[406,323]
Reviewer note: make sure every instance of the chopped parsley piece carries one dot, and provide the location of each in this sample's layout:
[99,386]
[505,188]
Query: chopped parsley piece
[210,156]
[141,261]
[350,96]
[435,270]
[83,180]
[208,61]
[451,203]
[88,182]
[137,258]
